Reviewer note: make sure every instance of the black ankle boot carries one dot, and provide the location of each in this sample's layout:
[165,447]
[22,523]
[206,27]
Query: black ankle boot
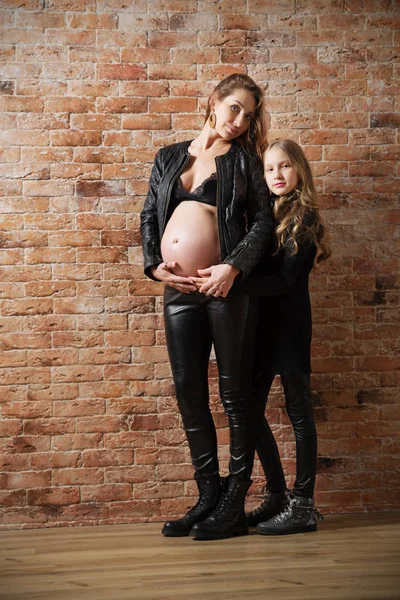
[299,516]
[272,505]
[209,494]
[229,518]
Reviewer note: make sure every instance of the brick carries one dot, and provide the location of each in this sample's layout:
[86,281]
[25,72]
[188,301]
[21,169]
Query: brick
[25,480]
[54,460]
[75,171]
[172,105]
[148,121]
[78,373]
[99,189]
[78,476]
[122,171]
[92,21]
[122,105]
[53,496]
[80,441]
[41,53]
[39,19]
[144,88]
[324,136]
[179,72]
[170,40]
[121,72]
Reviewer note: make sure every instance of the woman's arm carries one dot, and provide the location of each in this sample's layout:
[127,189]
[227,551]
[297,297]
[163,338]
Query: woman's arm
[154,267]
[149,226]
[240,262]
[259,220]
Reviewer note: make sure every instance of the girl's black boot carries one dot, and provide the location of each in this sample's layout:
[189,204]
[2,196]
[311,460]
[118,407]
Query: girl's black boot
[299,516]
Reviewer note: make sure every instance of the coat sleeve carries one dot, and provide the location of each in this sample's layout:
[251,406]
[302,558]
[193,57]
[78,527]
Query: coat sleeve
[259,219]
[149,225]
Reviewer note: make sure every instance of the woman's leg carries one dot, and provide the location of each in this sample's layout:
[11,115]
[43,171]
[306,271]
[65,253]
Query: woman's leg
[232,328]
[232,324]
[189,344]
[299,408]
[188,339]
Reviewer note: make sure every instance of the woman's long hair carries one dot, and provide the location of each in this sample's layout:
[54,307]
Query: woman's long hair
[256,134]
[297,215]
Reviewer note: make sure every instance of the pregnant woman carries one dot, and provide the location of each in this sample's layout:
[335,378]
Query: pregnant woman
[207,213]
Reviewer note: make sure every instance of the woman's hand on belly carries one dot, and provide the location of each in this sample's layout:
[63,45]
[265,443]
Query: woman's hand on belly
[216,281]
[163,273]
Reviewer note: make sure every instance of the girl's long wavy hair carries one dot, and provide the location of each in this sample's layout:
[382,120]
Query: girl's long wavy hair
[297,215]
[256,134]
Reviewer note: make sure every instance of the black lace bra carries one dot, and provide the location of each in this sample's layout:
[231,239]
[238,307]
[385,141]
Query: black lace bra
[206,193]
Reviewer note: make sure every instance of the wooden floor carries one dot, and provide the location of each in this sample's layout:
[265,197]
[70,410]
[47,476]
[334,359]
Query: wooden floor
[349,558]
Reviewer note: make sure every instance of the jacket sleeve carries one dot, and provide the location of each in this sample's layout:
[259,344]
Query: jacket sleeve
[149,225]
[259,219]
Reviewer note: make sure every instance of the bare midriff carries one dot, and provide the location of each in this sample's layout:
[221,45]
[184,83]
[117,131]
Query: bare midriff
[191,238]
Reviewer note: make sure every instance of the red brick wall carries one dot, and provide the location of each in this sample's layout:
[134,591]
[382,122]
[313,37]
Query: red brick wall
[89,428]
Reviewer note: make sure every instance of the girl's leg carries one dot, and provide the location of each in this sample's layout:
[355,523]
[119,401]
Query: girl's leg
[299,408]
[265,444]
[300,515]
[267,451]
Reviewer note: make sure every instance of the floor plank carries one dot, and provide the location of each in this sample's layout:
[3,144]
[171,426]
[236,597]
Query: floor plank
[351,557]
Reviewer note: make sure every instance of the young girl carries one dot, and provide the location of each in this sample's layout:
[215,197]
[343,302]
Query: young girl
[284,338]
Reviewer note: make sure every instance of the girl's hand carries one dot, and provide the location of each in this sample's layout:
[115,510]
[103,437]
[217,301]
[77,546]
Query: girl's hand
[163,272]
[216,280]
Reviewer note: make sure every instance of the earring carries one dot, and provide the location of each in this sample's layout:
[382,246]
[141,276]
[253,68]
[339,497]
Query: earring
[212,120]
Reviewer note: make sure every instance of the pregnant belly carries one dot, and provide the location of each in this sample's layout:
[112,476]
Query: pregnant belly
[191,238]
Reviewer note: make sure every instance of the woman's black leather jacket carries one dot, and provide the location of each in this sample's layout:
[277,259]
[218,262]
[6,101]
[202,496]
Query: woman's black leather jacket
[243,209]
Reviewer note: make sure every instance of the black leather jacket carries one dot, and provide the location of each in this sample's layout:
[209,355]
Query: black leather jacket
[244,216]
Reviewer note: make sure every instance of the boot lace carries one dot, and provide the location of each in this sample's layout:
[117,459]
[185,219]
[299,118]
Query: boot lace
[224,503]
[262,506]
[280,517]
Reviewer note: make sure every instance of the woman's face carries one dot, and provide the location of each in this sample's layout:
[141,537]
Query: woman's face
[280,175]
[234,113]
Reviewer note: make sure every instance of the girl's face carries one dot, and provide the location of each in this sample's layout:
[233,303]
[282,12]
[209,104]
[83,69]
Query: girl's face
[234,113]
[280,175]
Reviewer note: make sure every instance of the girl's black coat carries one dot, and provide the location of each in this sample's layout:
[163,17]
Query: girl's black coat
[284,328]
[243,209]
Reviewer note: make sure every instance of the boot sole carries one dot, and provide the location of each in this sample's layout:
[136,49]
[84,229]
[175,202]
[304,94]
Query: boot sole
[221,536]
[174,533]
[292,531]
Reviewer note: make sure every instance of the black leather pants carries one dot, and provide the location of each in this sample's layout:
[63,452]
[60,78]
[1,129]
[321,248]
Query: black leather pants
[193,322]
[299,408]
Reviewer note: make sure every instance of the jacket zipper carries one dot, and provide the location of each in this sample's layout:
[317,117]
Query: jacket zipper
[218,211]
